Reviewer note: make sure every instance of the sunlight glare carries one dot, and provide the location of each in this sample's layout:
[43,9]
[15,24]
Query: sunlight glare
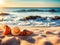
[1,2]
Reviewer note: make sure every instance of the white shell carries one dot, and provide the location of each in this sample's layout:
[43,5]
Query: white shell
[13,33]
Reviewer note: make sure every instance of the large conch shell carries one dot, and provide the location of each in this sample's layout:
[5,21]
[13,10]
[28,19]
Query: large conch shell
[15,31]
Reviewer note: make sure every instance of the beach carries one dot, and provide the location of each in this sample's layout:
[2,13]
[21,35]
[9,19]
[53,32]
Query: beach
[40,36]
[30,26]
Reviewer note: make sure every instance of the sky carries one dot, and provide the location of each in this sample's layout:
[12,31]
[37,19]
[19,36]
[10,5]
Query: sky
[35,0]
[29,3]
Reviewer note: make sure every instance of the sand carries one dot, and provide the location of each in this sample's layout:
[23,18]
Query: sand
[40,37]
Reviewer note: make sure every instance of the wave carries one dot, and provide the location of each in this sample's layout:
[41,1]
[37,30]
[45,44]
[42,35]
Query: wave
[25,16]
[33,9]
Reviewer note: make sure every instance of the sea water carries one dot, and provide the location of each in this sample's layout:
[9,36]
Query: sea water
[18,13]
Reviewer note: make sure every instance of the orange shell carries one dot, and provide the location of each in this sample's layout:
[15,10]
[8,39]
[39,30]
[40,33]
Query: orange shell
[7,30]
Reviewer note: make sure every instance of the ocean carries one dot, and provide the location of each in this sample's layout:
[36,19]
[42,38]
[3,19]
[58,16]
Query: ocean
[16,14]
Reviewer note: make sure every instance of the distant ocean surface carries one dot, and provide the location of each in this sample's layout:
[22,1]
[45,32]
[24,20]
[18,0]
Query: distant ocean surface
[17,13]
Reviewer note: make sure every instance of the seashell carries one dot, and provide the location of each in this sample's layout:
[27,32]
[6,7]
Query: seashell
[48,32]
[26,33]
[15,31]
[6,30]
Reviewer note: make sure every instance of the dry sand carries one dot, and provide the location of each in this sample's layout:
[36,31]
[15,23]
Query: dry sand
[40,37]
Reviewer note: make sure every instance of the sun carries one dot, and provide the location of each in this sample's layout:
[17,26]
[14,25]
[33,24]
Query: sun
[1,1]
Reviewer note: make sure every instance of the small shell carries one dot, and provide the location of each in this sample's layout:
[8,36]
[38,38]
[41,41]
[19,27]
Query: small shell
[48,32]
